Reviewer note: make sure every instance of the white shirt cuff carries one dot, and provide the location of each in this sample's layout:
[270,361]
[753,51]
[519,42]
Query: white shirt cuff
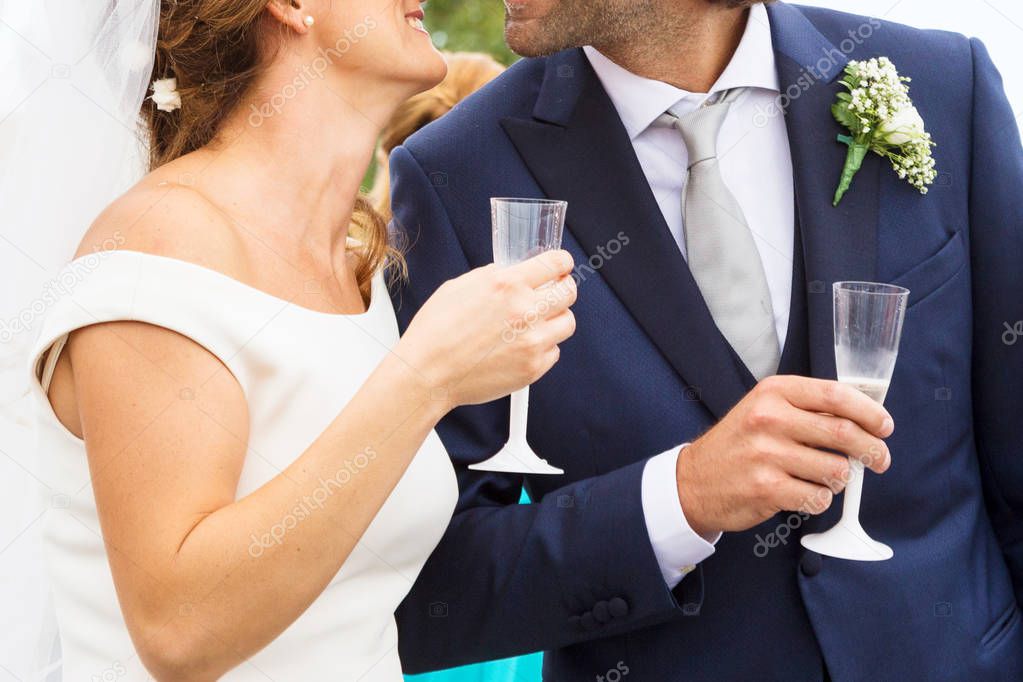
[677,546]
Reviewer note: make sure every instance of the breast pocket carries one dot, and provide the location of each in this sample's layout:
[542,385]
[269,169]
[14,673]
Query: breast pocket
[932,274]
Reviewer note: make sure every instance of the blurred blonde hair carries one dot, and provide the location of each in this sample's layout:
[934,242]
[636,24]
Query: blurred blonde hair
[467,73]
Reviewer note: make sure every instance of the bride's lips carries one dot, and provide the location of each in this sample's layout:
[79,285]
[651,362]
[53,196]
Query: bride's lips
[415,20]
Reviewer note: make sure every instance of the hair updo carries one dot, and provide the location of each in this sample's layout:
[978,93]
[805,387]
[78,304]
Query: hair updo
[215,49]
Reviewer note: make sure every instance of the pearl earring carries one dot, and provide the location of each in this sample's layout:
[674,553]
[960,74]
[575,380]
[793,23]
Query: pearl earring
[309,20]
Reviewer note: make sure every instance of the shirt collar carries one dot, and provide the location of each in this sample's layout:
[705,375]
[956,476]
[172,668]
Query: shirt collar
[640,101]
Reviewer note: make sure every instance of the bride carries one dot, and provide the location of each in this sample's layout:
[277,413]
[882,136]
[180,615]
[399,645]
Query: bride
[246,447]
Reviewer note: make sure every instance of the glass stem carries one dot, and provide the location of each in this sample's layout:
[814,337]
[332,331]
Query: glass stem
[853,493]
[519,415]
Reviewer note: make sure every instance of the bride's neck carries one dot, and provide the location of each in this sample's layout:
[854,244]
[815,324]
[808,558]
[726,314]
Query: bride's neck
[301,145]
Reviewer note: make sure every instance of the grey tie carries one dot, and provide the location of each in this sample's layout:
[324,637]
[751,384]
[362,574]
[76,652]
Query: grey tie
[721,252]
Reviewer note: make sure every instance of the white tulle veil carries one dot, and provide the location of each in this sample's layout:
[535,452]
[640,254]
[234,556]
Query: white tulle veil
[75,74]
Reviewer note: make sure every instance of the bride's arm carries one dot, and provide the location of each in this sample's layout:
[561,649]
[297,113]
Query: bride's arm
[166,424]
[165,427]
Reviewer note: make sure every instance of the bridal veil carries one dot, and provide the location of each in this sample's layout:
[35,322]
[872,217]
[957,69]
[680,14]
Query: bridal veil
[75,77]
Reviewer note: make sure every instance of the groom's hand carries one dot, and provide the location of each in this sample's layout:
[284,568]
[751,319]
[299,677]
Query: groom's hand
[769,454]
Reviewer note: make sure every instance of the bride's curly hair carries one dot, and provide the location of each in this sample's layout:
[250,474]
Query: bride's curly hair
[216,49]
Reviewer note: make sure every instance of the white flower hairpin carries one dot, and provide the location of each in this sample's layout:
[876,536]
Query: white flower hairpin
[165,94]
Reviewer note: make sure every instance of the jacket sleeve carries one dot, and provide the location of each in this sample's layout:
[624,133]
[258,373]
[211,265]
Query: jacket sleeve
[508,579]
[996,233]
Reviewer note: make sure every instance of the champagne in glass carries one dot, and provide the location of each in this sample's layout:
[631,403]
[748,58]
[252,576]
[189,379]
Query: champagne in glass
[875,389]
[522,228]
[868,326]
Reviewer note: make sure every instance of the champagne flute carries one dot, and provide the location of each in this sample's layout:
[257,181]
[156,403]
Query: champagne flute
[868,325]
[522,228]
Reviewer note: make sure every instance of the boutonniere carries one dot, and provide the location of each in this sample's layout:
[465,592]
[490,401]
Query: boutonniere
[881,118]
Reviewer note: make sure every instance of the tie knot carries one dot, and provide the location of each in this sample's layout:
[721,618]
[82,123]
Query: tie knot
[700,128]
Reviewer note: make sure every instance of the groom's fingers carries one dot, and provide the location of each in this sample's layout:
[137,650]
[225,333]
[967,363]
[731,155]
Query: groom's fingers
[842,435]
[549,266]
[798,495]
[841,400]
[816,466]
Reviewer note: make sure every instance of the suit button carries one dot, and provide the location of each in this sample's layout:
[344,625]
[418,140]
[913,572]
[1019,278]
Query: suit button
[588,621]
[691,609]
[601,612]
[810,564]
[618,607]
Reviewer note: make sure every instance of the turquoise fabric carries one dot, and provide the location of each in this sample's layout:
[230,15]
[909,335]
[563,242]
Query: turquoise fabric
[522,669]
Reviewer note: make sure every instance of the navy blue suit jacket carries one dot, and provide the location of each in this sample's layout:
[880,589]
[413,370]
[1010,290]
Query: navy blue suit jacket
[574,573]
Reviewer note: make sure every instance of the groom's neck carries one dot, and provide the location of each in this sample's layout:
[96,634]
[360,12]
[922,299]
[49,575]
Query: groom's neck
[690,49]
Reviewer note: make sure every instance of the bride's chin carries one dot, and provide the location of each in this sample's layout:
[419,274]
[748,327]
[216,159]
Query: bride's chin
[440,72]
[430,73]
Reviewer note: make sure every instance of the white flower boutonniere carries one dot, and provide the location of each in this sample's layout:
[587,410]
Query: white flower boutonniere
[881,118]
[165,94]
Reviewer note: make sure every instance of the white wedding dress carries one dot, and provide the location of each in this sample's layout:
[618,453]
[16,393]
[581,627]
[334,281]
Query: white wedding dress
[298,368]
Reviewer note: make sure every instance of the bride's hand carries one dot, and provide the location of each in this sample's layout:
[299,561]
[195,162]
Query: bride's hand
[493,330]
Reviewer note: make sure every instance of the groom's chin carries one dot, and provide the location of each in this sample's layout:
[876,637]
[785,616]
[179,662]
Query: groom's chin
[528,38]
[520,38]
[532,28]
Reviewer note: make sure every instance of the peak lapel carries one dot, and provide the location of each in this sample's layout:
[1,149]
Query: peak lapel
[839,243]
[578,151]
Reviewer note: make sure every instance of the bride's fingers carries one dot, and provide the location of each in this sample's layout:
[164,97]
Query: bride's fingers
[550,265]
[557,329]
[555,298]
[550,359]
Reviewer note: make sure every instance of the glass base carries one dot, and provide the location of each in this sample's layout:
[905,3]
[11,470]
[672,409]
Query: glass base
[847,541]
[516,458]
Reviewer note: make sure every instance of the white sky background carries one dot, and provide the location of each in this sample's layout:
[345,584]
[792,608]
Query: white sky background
[999,23]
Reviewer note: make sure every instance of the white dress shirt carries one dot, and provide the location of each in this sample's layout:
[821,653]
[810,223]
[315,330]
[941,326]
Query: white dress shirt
[756,165]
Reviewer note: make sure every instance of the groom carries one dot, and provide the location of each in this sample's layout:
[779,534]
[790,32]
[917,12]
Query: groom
[707,244]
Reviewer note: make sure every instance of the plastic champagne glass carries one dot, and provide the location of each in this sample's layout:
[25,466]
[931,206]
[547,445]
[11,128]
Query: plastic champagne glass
[868,325]
[522,228]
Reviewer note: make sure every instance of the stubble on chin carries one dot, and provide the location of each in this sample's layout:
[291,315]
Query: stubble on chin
[534,37]
[611,26]
[574,23]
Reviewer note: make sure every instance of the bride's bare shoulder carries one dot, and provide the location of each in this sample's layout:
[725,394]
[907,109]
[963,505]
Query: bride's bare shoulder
[166,216]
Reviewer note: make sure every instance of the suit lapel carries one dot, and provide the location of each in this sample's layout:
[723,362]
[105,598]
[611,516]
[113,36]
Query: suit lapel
[838,243]
[577,149]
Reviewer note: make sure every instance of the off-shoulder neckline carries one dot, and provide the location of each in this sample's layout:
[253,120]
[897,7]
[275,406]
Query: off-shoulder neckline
[376,291]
